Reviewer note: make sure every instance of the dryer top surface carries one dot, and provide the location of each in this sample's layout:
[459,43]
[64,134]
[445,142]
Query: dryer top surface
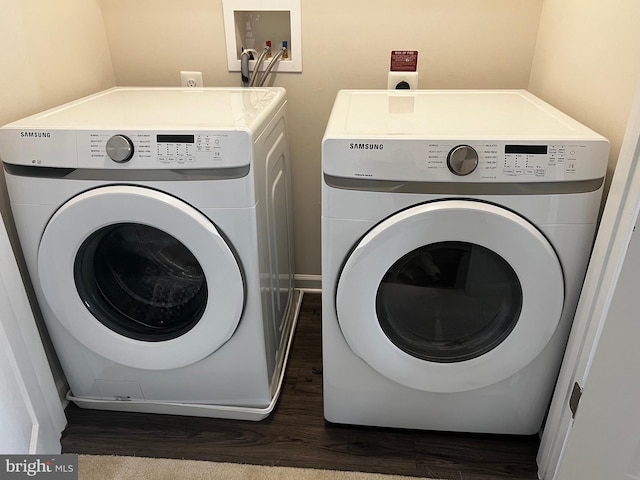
[125,108]
[445,114]
[459,136]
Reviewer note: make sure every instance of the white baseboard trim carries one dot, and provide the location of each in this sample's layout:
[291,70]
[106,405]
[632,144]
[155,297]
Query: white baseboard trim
[308,283]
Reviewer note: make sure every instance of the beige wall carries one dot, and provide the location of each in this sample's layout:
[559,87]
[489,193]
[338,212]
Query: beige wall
[52,52]
[345,44]
[587,63]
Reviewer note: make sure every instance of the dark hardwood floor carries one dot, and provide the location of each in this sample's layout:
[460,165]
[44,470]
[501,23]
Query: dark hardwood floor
[297,435]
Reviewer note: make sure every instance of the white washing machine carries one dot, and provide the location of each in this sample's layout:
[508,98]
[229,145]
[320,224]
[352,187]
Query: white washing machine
[156,227]
[456,231]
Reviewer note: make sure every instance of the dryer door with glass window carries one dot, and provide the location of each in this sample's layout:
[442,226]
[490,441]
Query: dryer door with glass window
[450,296]
[140,277]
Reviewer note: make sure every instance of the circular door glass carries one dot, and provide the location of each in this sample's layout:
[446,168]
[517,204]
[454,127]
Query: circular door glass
[446,296]
[140,282]
[149,282]
[449,301]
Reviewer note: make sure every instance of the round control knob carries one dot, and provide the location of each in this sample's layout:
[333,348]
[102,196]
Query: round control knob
[120,148]
[462,160]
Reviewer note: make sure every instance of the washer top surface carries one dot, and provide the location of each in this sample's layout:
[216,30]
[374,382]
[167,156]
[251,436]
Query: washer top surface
[144,108]
[442,114]
[145,128]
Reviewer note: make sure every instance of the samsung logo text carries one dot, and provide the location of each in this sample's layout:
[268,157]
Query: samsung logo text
[36,134]
[366,146]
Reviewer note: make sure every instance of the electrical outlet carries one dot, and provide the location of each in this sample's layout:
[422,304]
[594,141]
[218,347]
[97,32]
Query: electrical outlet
[191,79]
[402,80]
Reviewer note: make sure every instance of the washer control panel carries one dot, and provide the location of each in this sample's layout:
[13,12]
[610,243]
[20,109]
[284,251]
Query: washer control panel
[466,160]
[159,150]
[127,149]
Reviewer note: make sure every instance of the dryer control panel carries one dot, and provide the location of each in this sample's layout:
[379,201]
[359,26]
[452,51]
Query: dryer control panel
[464,160]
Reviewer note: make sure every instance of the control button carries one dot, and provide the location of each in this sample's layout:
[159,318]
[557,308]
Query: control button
[119,148]
[462,160]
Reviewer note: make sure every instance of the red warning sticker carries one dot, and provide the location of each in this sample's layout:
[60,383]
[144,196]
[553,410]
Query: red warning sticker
[404,60]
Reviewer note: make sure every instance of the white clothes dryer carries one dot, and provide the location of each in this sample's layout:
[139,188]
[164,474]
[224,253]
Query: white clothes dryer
[456,231]
[156,227]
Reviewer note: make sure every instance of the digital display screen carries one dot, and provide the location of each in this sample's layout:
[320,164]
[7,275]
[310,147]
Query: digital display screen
[526,149]
[176,138]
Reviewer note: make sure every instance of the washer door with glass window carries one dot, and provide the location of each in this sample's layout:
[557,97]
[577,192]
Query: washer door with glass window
[450,296]
[140,277]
